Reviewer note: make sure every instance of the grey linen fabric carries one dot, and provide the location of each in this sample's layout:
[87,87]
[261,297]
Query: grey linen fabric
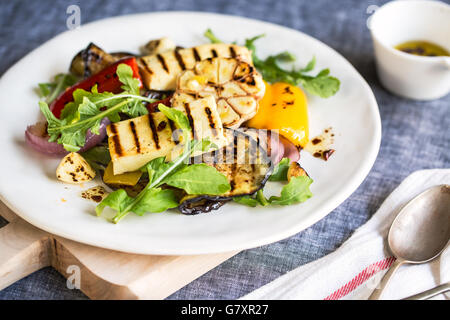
[416,135]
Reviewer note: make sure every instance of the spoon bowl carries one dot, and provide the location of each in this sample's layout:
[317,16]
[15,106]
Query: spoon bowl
[422,229]
[420,232]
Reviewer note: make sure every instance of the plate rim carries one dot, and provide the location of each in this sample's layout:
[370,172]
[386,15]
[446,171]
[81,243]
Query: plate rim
[308,221]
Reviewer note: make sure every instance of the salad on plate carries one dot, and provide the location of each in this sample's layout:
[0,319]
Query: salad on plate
[186,128]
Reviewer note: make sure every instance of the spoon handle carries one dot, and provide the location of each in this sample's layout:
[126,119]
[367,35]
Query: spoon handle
[430,293]
[376,294]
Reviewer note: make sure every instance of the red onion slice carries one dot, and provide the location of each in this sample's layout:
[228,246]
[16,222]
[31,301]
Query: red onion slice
[36,138]
[269,140]
[290,150]
[276,148]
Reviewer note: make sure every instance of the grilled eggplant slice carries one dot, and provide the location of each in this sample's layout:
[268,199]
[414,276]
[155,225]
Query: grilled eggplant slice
[296,170]
[91,60]
[199,204]
[244,162]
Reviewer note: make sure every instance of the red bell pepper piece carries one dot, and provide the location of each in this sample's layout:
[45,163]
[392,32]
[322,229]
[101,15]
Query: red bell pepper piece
[153,107]
[106,80]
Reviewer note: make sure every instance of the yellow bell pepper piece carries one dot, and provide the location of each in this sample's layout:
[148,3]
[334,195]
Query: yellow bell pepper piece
[284,107]
[128,178]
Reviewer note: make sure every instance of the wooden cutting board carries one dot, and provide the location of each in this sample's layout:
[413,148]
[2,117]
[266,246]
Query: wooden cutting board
[101,273]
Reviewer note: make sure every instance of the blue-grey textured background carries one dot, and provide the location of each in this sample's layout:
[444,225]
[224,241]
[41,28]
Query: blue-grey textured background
[416,135]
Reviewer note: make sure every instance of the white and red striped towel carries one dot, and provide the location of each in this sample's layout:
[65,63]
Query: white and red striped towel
[356,268]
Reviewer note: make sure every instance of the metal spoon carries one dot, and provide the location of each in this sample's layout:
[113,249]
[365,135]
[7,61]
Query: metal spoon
[430,293]
[420,232]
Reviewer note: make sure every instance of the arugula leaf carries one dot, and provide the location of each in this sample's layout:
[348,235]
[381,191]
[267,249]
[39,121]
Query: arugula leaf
[117,200]
[130,83]
[156,168]
[156,200]
[249,43]
[261,198]
[50,91]
[51,119]
[246,200]
[71,114]
[199,179]
[296,191]
[180,120]
[210,35]
[280,171]
[310,66]
[176,116]
[322,85]
[150,200]
[253,201]
[98,157]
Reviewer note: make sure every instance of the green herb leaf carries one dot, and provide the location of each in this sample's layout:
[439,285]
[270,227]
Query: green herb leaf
[310,66]
[261,198]
[247,201]
[156,167]
[50,91]
[98,157]
[254,200]
[155,200]
[45,89]
[117,200]
[176,116]
[296,191]
[199,179]
[250,44]
[321,85]
[150,200]
[210,35]
[181,121]
[51,119]
[280,171]
[125,74]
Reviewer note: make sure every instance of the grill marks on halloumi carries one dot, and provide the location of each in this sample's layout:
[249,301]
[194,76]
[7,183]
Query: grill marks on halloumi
[235,84]
[203,118]
[159,71]
[135,142]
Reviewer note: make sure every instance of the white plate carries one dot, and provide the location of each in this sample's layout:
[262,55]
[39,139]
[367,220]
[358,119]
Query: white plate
[29,187]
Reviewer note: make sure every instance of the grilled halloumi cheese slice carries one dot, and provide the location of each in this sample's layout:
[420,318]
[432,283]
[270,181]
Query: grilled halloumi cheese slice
[73,168]
[160,71]
[234,83]
[133,143]
[203,117]
[158,46]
